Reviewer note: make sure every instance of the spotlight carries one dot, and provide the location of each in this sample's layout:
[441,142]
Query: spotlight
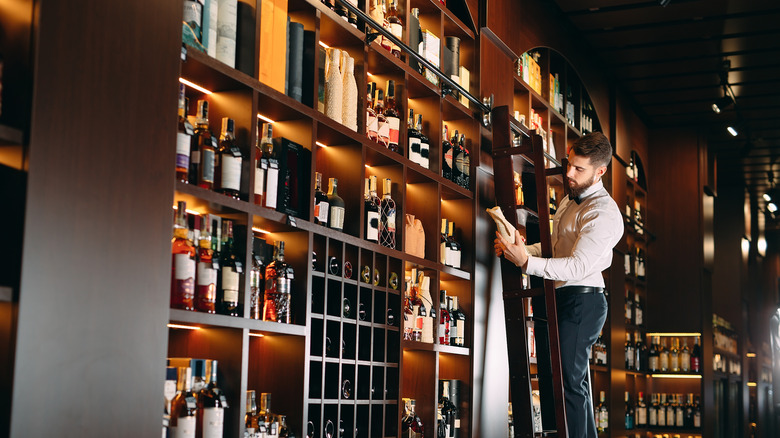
[664,3]
[771,207]
[722,103]
[767,197]
[732,130]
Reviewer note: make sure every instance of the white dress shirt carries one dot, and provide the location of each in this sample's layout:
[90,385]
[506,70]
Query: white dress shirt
[582,240]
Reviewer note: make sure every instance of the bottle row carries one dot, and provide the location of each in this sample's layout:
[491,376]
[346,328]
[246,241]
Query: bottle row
[451,408]
[420,314]
[634,309]
[672,411]
[634,264]
[659,358]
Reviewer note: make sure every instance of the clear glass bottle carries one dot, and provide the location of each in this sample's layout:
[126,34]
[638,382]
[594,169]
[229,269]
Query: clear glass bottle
[336,206]
[278,284]
[183,272]
[250,418]
[321,205]
[387,212]
[206,278]
[674,356]
[228,161]
[603,414]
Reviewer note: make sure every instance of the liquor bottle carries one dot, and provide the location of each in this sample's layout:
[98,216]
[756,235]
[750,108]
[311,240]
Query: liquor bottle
[183,275]
[670,410]
[664,357]
[661,410]
[206,278]
[184,407]
[640,268]
[685,358]
[696,413]
[602,421]
[266,416]
[696,356]
[392,115]
[653,357]
[372,216]
[284,430]
[409,320]
[250,418]
[458,329]
[228,161]
[263,155]
[411,425]
[444,244]
[629,349]
[446,164]
[387,212]
[553,202]
[629,309]
[679,412]
[444,319]
[371,121]
[382,128]
[688,420]
[349,101]
[640,352]
[674,356]
[334,86]
[428,319]
[335,205]
[652,411]
[413,137]
[204,160]
[321,205]
[231,267]
[465,163]
[183,139]
[600,350]
[211,406]
[256,283]
[638,312]
[454,255]
[424,144]
[395,26]
[419,312]
[278,285]
[446,412]
[641,411]
[629,413]
[456,156]
[381,18]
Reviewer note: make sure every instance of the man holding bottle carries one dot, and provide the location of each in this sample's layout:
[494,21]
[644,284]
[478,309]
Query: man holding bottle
[585,229]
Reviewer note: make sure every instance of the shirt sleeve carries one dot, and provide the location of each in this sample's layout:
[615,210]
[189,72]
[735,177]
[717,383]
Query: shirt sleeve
[599,233]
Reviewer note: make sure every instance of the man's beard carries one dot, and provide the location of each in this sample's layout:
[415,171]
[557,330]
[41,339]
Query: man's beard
[577,190]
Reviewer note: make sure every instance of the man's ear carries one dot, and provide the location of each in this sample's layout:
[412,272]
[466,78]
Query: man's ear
[601,171]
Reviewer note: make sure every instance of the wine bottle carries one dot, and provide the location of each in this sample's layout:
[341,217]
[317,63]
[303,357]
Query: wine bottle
[685,358]
[183,275]
[458,337]
[387,217]
[206,278]
[184,407]
[696,356]
[424,144]
[456,157]
[413,137]
[393,118]
[321,205]
[603,414]
[446,165]
[183,139]
[371,121]
[206,150]
[653,359]
[465,163]
[641,411]
[629,349]
[228,161]
[256,283]
[629,413]
[211,405]
[278,286]
[443,243]
[231,267]
[664,357]
[454,255]
[372,216]
[336,206]
[382,127]
[444,319]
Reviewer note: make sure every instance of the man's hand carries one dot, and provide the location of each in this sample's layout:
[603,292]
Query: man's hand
[515,253]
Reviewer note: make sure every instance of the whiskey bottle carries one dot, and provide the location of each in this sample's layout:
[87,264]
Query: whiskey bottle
[446,164]
[629,349]
[444,319]
[250,418]
[371,207]
[256,283]
[664,357]
[679,412]
[459,324]
[205,158]
[211,405]
[464,162]
[371,122]
[336,206]
[456,155]
[392,116]
[413,137]
[231,267]
[266,417]
[382,127]
[696,356]
[284,431]
[278,285]
[184,407]
[387,214]
[228,161]
[183,275]
[395,26]
[206,279]
[602,421]
[321,205]
[685,358]
[271,166]
[424,144]
[653,358]
[670,410]
[183,139]
[641,411]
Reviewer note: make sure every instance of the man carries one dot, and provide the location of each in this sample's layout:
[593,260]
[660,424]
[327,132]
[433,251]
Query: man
[586,228]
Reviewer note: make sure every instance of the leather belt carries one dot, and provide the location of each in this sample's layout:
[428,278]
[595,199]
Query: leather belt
[580,290]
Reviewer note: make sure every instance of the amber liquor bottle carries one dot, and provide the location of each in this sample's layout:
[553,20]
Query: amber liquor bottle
[184,407]
[206,279]
[231,267]
[211,406]
[228,161]
[183,275]
[387,216]
[393,118]
[278,282]
[395,26]
[183,139]
[204,157]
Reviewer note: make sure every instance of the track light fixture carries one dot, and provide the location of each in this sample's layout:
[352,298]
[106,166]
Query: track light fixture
[732,130]
[722,103]
[664,3]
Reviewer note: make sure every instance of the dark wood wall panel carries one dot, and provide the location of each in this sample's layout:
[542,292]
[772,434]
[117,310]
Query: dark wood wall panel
[96,264]
[631,134]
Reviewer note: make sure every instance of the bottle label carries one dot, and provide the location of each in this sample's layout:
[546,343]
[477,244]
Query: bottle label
[641,416]
[226,32]
[271,184]
[231,172]
[254,278]
[461,332]
[321,210]
[390,223]
[182,150]
[169,389]
[414,150]
[372,226]
[207,275]
[653,363]
[184,267]
[661,416]
[383,132]
[207,172]
[653,417]
[425,155]
[259,181]
[230,285]
[685,362]
[372,125]
[454,258]
[638,316]
[459,163]
[448,158]
[336,220]
[185,428]
[397,30]
[213,422]
[394,124]
[697,420]
[195,157]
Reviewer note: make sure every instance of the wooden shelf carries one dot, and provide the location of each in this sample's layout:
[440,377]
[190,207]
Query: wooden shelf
[10,136]
[215,320]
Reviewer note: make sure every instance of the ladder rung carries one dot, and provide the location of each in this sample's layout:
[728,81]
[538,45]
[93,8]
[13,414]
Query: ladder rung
[523,293]
[547,433]
[554,171]
[507,152]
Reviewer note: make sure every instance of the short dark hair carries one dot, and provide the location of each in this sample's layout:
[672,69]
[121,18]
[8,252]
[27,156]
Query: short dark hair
[594,146]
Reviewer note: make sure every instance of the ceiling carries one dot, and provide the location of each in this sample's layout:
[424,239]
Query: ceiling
[670,60]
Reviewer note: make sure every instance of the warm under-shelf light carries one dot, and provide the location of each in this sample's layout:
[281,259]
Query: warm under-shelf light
[195,86]
[324,45]
[750,355]
[677,376]
[196,213]
[752,384]
[367,166]
[260,230]
[257,335]
[320,144]
[182,326]
[679,335]
[265,119]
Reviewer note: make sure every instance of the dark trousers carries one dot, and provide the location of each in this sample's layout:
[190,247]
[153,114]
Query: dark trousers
[580,319]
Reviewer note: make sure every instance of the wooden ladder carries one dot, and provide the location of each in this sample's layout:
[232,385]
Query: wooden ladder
[531,154]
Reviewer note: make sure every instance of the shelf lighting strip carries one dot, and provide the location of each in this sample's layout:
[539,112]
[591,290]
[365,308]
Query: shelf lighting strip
[260,230]
[195,86]
[680,335]
[182,326]
[256,335]
[677,376]
[388,35]
[265,119]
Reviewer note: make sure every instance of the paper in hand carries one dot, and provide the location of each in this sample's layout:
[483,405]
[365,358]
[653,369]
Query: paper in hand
[505,229]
